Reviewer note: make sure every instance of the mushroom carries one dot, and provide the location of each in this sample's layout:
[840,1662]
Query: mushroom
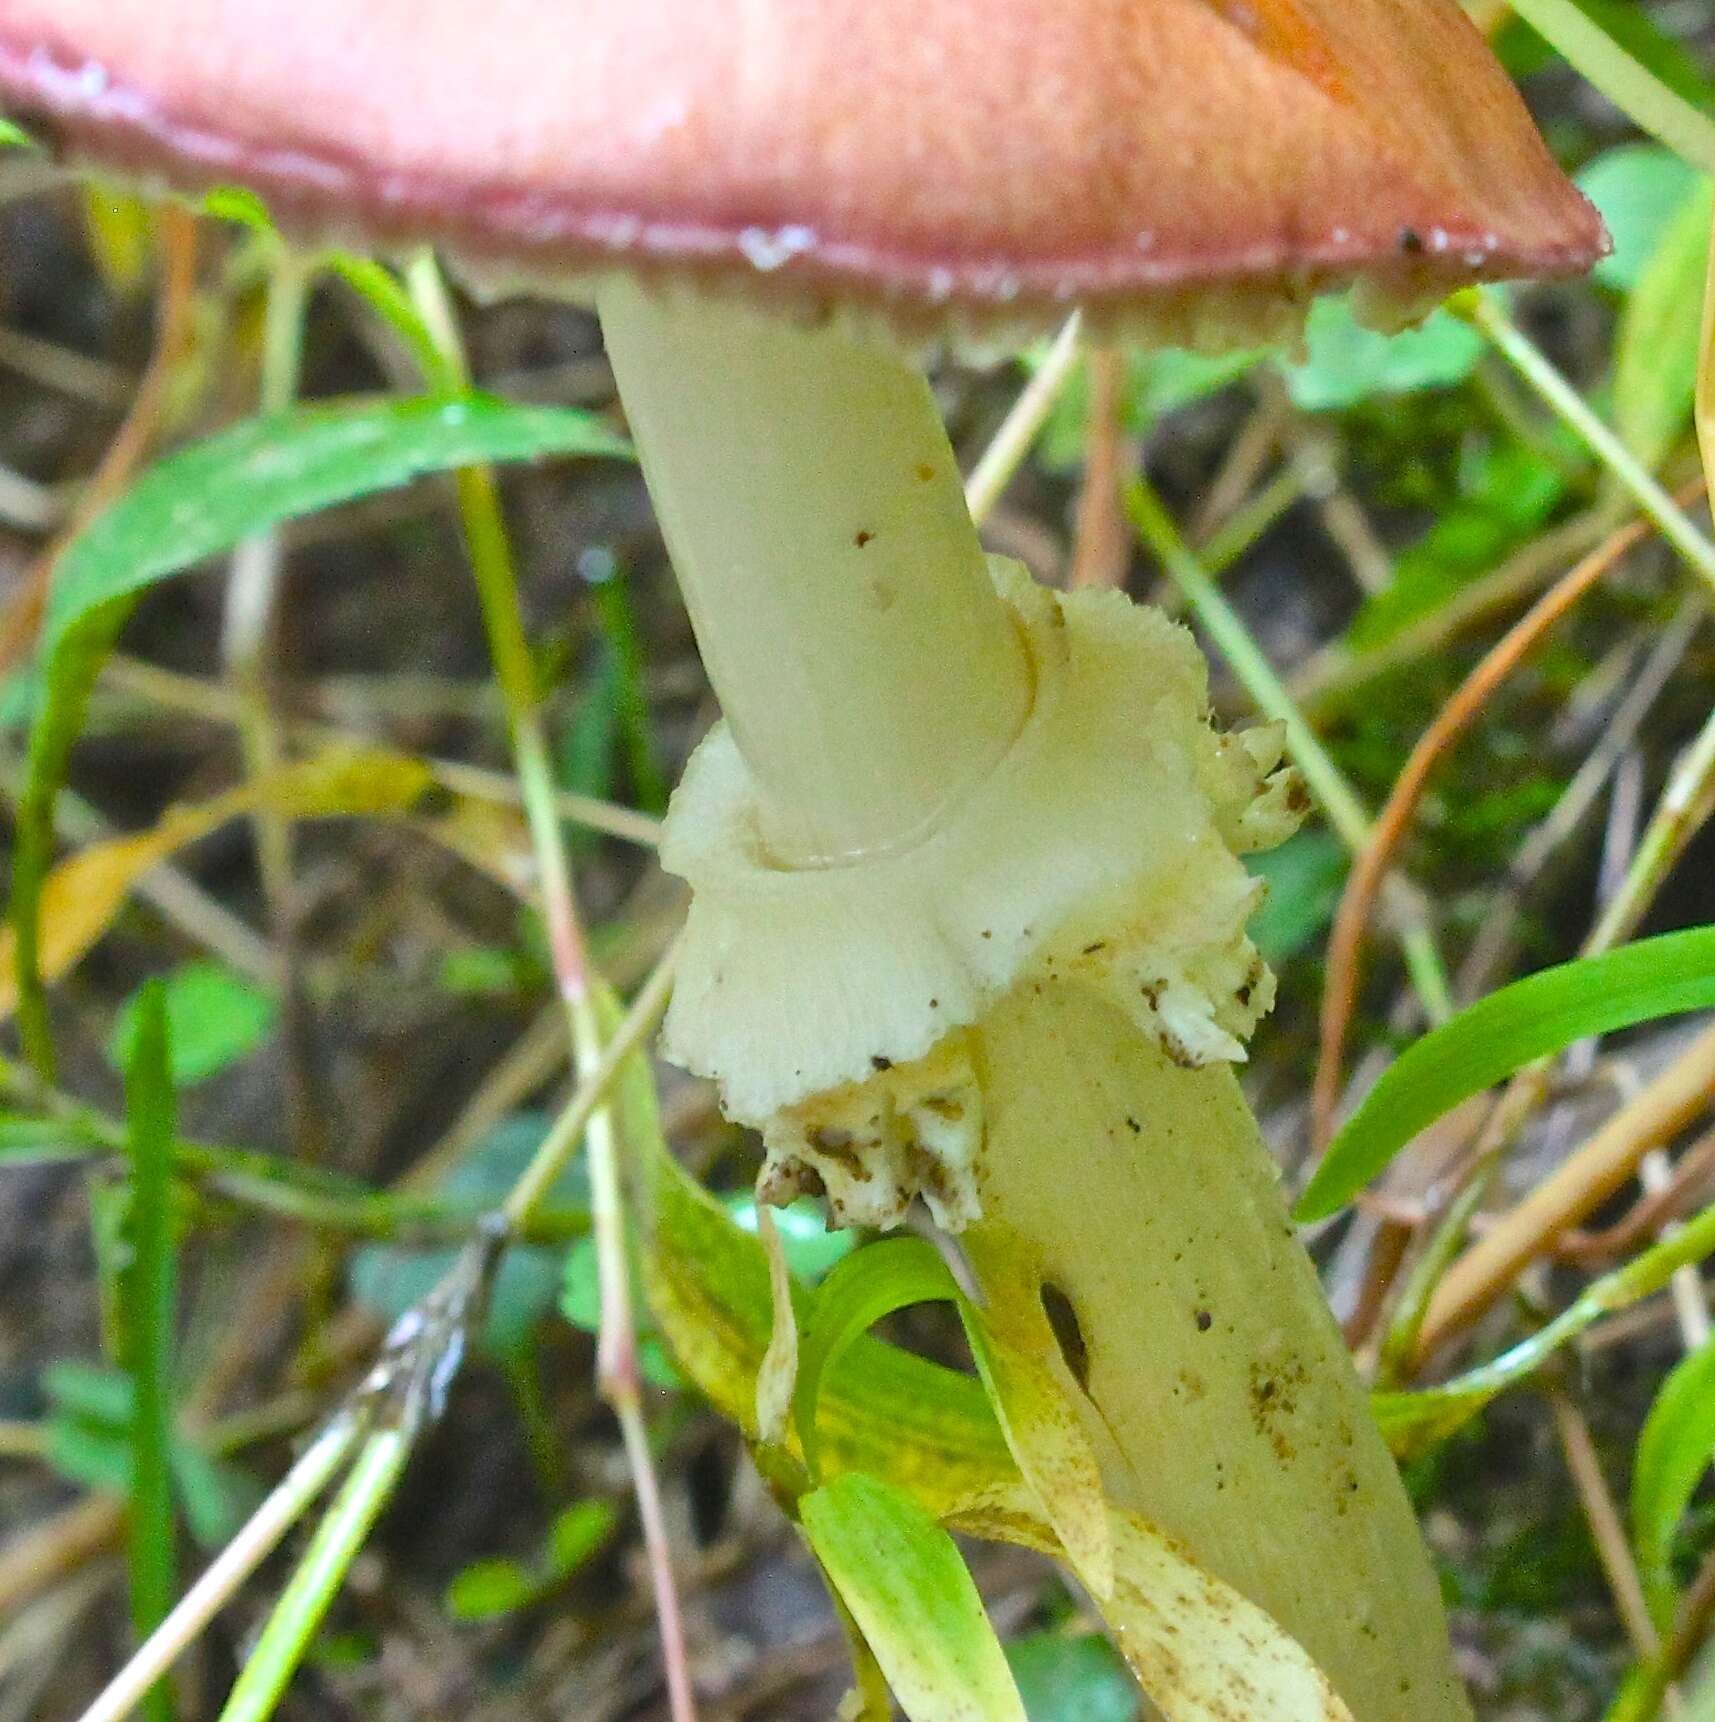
[968,918]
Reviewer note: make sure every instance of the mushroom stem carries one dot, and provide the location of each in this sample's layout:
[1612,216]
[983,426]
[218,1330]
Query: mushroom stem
[813,510]
[1137,1202]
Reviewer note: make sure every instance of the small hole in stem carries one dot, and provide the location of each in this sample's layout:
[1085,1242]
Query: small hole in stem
[1068,1335]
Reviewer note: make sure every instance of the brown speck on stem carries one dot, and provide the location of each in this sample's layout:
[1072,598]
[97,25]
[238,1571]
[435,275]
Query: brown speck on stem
[1204,1320]
[1133,1126]
[879,1062]
[925,473]
[1410,241]
[861,538]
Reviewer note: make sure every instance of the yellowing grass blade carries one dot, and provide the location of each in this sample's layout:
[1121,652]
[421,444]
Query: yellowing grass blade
[904,1583]
[1030,1389]
[85,892]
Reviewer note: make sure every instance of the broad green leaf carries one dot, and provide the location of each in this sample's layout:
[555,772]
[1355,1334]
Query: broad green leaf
[1304,876]
[1655,349]
[887,1275]
[1415,1423]
[1639,189]
[580,1304]
[216,1017]
[1348,363]
[390,1280]
[90,1392]
[577,1534]
[485,971]
[1072,1678]
[91,1413]
[216,1497]
[1173,377]
[204,500]
[485,1589]
[86,1453]
[902,1578]
[1674,1451]
[1507,497]
[1544,1013]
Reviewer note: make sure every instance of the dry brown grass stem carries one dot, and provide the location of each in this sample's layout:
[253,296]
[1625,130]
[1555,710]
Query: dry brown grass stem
[136,434]
[1364,886]
[1102,538]
[1607,1530]
[1573,1191]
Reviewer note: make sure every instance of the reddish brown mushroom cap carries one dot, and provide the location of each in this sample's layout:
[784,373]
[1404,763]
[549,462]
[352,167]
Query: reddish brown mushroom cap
[1007,159]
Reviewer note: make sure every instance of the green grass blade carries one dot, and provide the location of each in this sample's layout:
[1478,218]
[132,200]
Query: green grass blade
[202,501]
[617,618]
[869,1284]
[312,1587]
[386,296]
[1674,1451]
[1415,1423]
[1629,85]
[150,1293]
[1542,1014]
[903,1580]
